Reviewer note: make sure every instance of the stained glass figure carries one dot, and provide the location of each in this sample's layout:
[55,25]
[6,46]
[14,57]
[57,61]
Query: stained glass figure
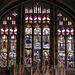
[4,43]
[28,57]
[12,58]
[46,42]
[28,41]
[46,54]
[61,39]
[37,31]
[61,47]
[28,31]
[13,43]
[3,59]
[70,56]
[37,57]
[12,52]
[70,44]
[3,51]
[61,56]
[37,42]
[46,31]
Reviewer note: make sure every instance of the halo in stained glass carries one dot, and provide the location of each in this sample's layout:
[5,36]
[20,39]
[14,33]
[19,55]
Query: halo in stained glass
[46,31]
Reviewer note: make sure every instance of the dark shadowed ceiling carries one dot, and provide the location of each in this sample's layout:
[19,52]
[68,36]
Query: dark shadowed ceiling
[67,3]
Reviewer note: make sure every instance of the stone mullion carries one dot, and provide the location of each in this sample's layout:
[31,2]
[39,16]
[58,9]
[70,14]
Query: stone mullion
[23,35]
[18,38]
[33,36]
[74,45]
[8,43]
[65,46]
[54,32]
[41,44]
[41,38]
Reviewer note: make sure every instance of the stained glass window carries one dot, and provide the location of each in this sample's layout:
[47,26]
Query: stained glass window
[28,45]
[37,20]
[8,41]
[65,33]
[37,44]
[46,43]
